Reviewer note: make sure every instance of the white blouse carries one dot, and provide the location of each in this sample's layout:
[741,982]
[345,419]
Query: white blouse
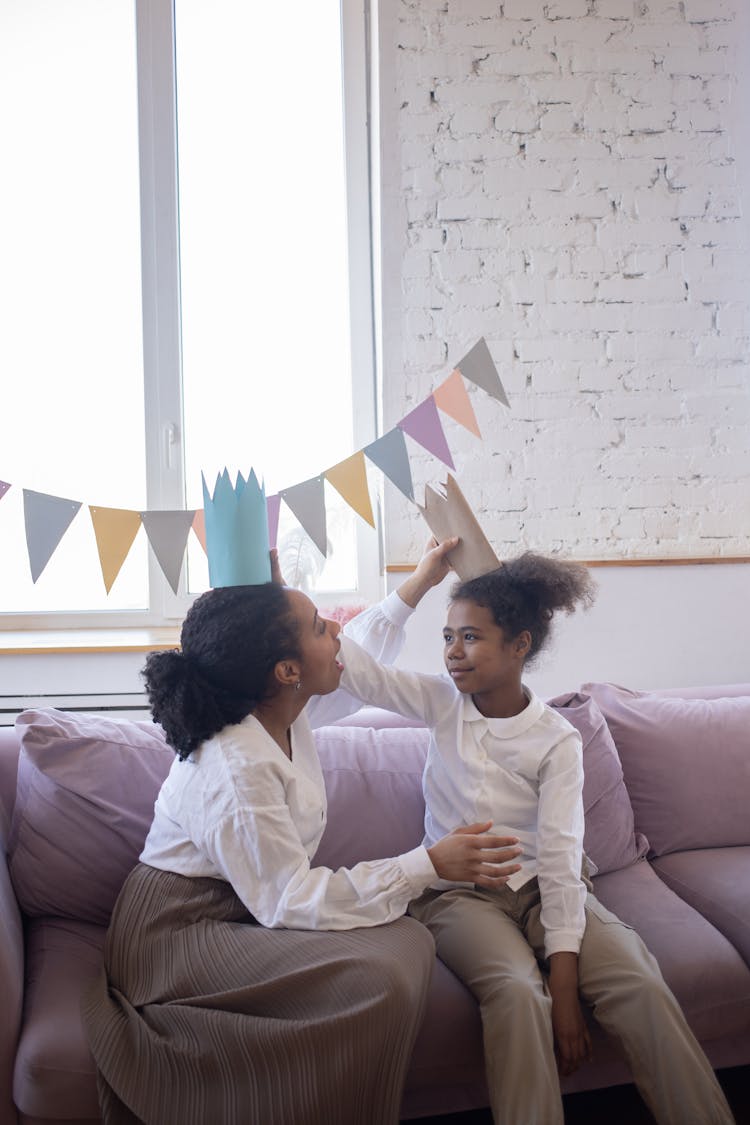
[238,809]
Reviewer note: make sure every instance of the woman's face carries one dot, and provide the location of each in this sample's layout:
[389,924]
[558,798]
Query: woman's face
[319,646]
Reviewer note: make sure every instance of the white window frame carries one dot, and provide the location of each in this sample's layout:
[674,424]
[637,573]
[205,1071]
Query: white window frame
[160,280]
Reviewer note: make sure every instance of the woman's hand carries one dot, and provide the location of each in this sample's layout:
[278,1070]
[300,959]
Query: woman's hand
[429,571]
[572,1039]
[468,855]
[276,575]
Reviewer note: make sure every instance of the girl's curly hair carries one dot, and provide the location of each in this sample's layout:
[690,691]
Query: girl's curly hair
[526,592]
[231,640]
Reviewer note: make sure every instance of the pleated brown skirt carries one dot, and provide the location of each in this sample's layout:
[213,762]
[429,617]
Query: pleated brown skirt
[202,1017]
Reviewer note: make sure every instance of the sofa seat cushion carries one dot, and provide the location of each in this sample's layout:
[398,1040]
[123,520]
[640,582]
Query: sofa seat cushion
[704,970]
[54,1073]
[686,764]
[716,882]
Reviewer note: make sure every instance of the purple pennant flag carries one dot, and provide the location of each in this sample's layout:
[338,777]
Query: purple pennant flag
[47,519]
[390,456]
[167,533]
[4,486]
[273,506]
[307,502]
[424,425]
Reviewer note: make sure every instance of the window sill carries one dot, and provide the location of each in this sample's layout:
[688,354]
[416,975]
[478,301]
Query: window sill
[34,642]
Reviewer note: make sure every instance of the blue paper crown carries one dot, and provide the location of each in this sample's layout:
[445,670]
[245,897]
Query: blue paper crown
[236,532]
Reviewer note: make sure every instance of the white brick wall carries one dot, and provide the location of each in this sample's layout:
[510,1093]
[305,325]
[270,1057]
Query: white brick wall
[568,178]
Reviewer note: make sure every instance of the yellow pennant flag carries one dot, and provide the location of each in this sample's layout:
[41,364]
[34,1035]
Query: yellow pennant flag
[115,529]
[453,399]
[349,478]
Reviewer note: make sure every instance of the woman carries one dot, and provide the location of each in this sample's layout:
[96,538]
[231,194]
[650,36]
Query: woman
[241,984]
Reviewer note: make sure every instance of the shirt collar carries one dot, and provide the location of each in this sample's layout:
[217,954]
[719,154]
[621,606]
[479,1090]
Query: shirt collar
[506,728]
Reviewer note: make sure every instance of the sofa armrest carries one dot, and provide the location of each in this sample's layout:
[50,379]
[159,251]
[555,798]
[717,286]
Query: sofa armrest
[11,932]
[11,988]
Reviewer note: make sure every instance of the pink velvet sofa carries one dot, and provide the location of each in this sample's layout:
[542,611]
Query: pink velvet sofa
[667,800]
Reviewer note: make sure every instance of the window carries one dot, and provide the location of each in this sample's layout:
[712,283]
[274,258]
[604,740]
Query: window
[171,316]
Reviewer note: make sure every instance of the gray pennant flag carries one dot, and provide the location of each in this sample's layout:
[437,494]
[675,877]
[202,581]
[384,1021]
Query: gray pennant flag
[307,502]
[478,367]
[167,533]
[47,519]
[390,456]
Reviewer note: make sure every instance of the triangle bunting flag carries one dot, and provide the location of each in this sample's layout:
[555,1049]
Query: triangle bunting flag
[307,502]
[478,367]
[349,478]
[47,518]
[453,399]
[389,454]
[199,527]
[273,506]
[167,533]
[115,529]
[424,425]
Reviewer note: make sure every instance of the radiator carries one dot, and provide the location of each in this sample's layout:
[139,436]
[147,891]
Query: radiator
[115,705]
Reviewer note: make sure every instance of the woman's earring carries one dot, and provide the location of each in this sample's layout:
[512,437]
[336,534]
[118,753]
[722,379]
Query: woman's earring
[298,685]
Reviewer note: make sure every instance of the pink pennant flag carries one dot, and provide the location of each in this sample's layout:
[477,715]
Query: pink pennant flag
[4,486]
[452,398]
[199,527]
[273,506]
[424,425]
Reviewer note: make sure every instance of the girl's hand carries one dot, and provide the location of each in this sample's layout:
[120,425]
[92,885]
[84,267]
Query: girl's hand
[430,570]
[468,855]
[572,1039]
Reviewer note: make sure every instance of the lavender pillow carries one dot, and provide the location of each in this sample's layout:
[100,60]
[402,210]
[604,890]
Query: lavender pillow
[373,782]
[610,839]
[686,764]
[85,801]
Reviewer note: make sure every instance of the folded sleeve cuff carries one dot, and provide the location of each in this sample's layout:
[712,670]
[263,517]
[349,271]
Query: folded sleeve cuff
[395,609]
[562,941]
[418,868]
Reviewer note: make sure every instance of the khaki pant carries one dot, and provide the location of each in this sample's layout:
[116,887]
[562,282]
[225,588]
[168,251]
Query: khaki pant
[494,941]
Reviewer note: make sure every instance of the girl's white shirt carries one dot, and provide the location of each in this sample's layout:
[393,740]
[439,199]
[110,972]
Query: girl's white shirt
[524,774]
[238,809]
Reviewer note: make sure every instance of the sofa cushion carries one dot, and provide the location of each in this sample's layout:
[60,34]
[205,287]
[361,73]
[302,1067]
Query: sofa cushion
[716,882]
[703,969]
[610,839]
[686,764]
[54,1072]
[378,773]
[85,801]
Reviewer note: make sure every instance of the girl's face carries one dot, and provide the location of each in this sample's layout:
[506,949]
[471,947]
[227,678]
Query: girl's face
[477,655]
[320,670]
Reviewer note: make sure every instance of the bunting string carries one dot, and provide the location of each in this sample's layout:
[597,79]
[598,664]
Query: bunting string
[47,518]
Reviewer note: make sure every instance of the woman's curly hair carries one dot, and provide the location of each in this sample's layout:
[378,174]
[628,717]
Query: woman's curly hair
[231,640]
[525,593]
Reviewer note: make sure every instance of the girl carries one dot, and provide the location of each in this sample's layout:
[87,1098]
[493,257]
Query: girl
[529,949]
[224,994]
